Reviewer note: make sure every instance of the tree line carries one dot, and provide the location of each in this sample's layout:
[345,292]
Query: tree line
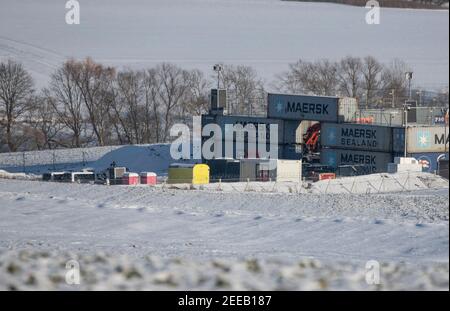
[89,104]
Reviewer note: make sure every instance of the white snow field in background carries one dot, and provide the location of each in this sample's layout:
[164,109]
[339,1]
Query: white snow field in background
[266,34]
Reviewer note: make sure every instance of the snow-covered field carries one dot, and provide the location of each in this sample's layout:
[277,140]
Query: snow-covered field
[267,34]
[155,238]
[218,236]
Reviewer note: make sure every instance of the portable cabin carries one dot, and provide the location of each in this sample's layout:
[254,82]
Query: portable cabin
[196,174]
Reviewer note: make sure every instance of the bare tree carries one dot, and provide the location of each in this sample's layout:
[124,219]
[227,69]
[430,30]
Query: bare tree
[171,81]
[95,83]
[67,100]
[394,82]
[127,107]
[152,107]
[16,86]
[371,70]
[196,100]
[318,78]
[245,88]
[350,76]
[44,123]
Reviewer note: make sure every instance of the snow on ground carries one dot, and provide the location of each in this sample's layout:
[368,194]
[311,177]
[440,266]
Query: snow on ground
[366,184]
[334,235]
[267,34]
[28,270]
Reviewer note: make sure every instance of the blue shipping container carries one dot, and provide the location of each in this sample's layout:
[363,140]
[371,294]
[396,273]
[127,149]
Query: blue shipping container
[366,161]
[356,136]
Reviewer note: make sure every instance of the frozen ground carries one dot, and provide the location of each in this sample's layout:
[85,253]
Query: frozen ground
[334,235]
[267,34]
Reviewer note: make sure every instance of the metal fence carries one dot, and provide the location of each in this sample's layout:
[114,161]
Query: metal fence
[396,116]
[368,184]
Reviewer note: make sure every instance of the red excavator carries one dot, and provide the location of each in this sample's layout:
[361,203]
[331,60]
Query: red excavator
[312,138]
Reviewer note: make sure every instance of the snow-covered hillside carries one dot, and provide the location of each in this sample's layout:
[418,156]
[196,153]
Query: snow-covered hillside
[267,34]
[137,158]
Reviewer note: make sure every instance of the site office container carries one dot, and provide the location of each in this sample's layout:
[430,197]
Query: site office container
[226,170]
[196,174]
[148,178]
[362,162]
[313,108]
[421,139]
[357,137]
[130,179]
[274,170]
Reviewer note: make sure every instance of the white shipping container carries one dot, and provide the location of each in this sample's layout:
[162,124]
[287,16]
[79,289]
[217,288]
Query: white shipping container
[288,170]
[427,139]
[421,139]
[275,170]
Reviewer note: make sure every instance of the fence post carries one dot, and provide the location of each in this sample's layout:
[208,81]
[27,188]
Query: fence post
[54,160]
[328,184]
[353,185]
[406,182]
[247,185]
[219,188]
[381,183]
[23,161]
[83,155]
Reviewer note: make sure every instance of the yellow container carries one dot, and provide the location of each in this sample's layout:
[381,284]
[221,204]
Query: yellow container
[196,174]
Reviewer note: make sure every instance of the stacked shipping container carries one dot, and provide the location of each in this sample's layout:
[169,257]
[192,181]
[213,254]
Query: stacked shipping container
[427,144]
[366,147]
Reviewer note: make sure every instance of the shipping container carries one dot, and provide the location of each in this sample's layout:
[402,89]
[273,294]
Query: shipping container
[225,122]
[429,161]
[288,171]
[293,133]
[270,170]
[422,139]
[356,136]
[224,170]
[196,174]
[241,150]
[313,108]
[291,152]
[362,162]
